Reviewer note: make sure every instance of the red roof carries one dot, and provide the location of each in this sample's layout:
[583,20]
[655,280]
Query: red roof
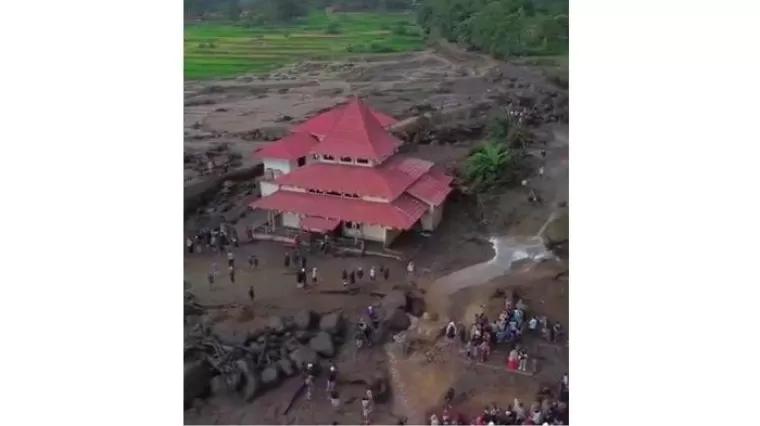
[357,134]
[319,224]
[290,147]
[320,125]
[388,180]
[402,213]
[431,188]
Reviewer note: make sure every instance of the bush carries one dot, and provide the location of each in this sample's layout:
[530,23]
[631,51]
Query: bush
[333,28]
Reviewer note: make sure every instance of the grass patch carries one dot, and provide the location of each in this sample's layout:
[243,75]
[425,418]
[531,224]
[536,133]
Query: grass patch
[223,49]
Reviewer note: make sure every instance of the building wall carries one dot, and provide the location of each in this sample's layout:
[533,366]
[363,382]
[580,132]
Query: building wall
[291,220]
[364,232]
[391,234]
[432,218]
[267,188]
[283,166]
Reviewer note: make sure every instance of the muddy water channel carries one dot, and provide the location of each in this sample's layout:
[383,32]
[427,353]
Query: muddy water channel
[509,253]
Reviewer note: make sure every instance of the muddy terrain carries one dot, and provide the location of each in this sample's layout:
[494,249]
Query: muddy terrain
[226,119]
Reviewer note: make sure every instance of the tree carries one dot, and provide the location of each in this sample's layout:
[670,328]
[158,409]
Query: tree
[490,163]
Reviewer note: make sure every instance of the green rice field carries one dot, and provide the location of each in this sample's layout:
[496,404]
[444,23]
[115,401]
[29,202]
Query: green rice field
[221,49]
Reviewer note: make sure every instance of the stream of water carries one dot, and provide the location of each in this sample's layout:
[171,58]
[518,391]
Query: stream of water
[507,251]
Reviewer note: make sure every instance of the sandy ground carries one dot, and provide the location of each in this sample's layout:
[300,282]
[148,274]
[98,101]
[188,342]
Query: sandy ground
[248,111]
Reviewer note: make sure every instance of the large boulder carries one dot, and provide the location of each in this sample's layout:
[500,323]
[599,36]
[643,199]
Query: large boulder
[286,367]
[323,344]
[197,377]
[303,336]
[396,299]
[252,384]
[396,320]
[304,355]
[305,319]
[332,323]
[276,324]
[270,377]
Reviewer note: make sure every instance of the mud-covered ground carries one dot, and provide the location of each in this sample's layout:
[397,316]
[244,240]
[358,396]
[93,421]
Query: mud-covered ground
[226,119]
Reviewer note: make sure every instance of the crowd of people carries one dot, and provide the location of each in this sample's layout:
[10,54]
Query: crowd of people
[333,395]
[550,407]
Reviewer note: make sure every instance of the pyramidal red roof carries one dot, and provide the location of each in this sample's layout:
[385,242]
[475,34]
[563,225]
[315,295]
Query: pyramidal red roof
[292,146]
[357,134]
[320,125]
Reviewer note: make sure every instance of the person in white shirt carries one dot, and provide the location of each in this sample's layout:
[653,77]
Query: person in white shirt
[314,274]
[231,259]
[372,273]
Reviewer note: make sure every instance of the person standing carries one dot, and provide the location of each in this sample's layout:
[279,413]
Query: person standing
[215,269]
[332,377]
[301,278]
[210,278]
[309,380]
[189,243]
[344,278]
[365,408]
[286,261]
[251,294]
[522,360]
[372,273]
[410,270]
[230,259]
[387,273]
[231,271]
[249,233]
[352,278]
[314,275]
[360,273]
[513,359]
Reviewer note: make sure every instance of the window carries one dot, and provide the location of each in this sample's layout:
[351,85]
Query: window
[346,160]
[328,157]
[301,161]
[362,161]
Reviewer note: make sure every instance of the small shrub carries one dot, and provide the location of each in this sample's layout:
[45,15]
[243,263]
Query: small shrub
[202,45]
[333,28]
[375,47]
[400,30]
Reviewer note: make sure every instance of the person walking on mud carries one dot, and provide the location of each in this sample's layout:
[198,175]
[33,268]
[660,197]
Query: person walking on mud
[372,273]
[231,272]
[210,278]
[301,278]
[230,258]
[286,261]
[253,262]
[352,278]
[344,278]
[314,275]
[410,271]
[387,273]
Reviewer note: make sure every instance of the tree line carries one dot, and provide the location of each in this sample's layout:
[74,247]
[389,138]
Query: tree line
[501,28]
[284,10]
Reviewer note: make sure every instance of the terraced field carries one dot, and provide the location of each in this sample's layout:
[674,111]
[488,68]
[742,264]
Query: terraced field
[217,49]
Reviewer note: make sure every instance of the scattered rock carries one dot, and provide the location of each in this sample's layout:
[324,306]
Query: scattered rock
[286,367]
[396,320]
[332,323]
[396,299]
[304,355]
[322,343]
[276,324]
[270,377]
[305,319]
